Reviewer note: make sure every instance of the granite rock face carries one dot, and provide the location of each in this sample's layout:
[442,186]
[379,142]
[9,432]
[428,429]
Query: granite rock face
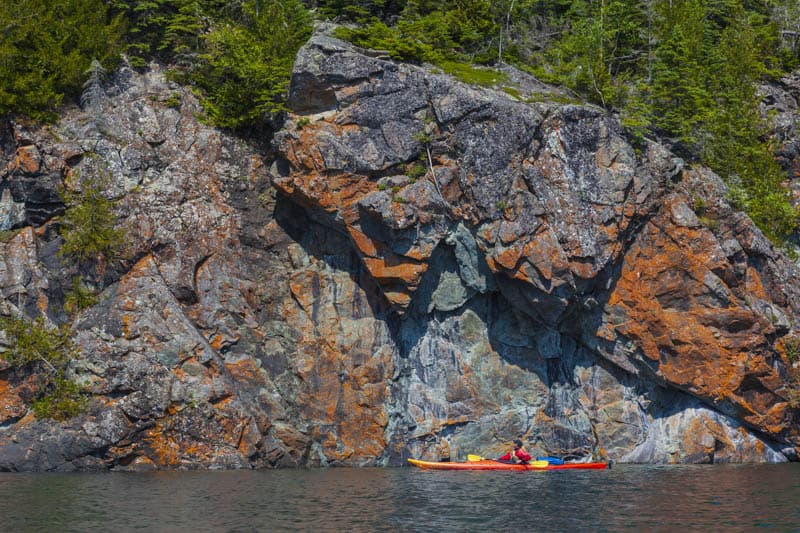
[415,268]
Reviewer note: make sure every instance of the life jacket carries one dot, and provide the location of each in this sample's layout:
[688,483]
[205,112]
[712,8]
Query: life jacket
[522,455]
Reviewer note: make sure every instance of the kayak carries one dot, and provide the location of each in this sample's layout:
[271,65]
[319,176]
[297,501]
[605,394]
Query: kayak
[487,464]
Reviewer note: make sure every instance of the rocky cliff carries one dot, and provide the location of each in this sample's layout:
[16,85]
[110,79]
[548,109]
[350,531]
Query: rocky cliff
[416,267]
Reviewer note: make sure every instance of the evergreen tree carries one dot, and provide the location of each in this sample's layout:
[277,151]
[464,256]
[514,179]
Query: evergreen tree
[600,51]
[88,224]
[361,11]
[46,47]
[735,144]
[246,65]
[681,94]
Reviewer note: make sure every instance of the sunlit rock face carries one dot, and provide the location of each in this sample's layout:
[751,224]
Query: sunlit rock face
[414,267]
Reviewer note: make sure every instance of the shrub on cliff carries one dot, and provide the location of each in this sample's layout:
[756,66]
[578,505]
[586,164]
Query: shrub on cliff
[245,68]
[88,224]
[159,29]
[45,47]
[79,297]
[46,352]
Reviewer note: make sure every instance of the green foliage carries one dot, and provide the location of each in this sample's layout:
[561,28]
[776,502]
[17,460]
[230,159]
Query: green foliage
[793,395]
[63,400]
[45,48]
[246,64]
[601,51]
[435,32]
[731,138]
[88,222]
[485,77]
[786,18]
[706,68]
[682,69]
[791,345]
[31,343]
[709,222]
[513,92]
[636,117]
[417,170]
[459,29]
[34,347]
[173,101]
[302,122]
[238,54]
[501,205]
[699,205]
[791,348]
[422,137]
[165,30]
[79,297]
[8,234]
[361,10]
[379,36]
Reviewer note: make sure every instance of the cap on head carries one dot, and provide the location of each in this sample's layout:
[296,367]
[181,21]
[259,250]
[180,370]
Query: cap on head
[518,443]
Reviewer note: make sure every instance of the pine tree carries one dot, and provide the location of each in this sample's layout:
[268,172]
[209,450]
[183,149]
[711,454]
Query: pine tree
[246,66]
[46,47]
[681,94]
[88,224]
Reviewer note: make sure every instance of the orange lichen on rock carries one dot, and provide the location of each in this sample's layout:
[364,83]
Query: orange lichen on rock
[686,321]
[754,285]
[329,192]
[27,160]
[395,271]
[11,405]
[367,246]
[244,370]
[162,449]
[351,402]
[506,259]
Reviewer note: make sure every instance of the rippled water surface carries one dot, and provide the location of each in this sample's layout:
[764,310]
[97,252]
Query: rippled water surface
[652,498]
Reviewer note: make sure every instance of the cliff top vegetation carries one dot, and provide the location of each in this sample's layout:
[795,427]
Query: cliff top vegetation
[683,70]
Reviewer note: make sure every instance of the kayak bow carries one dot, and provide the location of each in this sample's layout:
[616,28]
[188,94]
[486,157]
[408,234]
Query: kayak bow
[496,465]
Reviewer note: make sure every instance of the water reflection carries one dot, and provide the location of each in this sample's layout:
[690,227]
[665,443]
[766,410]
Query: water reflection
[653,498]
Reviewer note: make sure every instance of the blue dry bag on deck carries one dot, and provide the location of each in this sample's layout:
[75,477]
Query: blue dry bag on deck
[551,460]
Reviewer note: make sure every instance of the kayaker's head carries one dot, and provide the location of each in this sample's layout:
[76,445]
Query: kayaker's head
[517,444]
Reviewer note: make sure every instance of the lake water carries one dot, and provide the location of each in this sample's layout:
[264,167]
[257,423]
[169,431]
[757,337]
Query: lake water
[626,497]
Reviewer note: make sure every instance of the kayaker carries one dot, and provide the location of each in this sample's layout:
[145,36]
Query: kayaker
[518,455]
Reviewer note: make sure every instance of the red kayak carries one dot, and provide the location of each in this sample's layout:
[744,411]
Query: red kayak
[496,465]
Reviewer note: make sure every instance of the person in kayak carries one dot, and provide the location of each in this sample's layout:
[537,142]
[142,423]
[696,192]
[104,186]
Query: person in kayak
[518,455]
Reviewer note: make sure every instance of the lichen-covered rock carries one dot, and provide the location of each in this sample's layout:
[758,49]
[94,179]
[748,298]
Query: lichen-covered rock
[415,268]
[592,250]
